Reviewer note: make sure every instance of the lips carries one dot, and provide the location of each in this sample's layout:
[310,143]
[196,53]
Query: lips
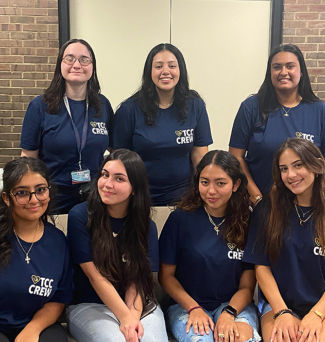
[295,183]
[212,199]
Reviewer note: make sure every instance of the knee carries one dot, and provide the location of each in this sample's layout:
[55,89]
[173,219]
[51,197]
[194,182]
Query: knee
[245,336]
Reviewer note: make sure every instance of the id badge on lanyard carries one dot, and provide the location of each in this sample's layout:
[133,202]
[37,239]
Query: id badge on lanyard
[81,175]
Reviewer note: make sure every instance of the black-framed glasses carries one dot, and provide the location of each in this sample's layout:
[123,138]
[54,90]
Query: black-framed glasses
[70,60]
[24,196]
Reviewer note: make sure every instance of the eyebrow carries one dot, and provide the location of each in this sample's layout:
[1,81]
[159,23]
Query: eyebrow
[70,54]
[26,187]
[170,61]
[115,174]
[217,179]
[283,63]
[298,160]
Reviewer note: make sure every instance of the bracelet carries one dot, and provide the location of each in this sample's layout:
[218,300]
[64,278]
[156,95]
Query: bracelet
[194,307]
[282,312]
[317,313]
[231,310]
[258,199]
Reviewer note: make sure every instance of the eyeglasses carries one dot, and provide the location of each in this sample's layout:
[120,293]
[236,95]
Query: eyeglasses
[24,196]
[70,60]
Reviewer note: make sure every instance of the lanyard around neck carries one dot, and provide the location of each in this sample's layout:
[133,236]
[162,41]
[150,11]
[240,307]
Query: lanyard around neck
[80,144]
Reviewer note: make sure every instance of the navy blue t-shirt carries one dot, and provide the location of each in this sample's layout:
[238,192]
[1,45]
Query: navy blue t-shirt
[307,121]
[54,137]
[300,270]
[165,147]
[81,251]
[208,267]
[25,288]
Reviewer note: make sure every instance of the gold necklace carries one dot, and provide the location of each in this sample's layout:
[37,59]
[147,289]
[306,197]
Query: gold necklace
[301,221]
[287,111]
[304,214]
[166,105]
[27,259]
[216,226]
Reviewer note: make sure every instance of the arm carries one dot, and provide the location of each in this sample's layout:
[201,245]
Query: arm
[197,154]
[28,153]
[244,295]
[42,319]
[133,301]
[130,326]
[173,287]
[253,190]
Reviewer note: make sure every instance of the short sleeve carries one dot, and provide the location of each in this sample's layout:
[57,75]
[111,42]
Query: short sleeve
[78,236]
[244,123]
[202,133]
[110,118]
[153,247]
[31,134]
[63,293]
[168,241]
[124,126]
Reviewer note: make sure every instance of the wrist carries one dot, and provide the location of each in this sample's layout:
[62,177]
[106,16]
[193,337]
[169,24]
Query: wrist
[230,310]
[194,308]
[258,199]
[318,314]
[282,312]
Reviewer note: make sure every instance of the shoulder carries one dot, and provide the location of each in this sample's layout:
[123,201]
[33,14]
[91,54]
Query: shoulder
[79,212]
[317,105]
[56,234]
[251,101]
[38,102]
[195,101]
[182,216]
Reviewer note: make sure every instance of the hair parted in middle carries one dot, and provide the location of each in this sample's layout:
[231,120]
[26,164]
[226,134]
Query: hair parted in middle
[238,207]
[147,94]
[132,241]
[282,199]
[53,95]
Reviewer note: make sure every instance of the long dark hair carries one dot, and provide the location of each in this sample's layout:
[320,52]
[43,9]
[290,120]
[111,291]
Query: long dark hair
[53,95]
[13,173]
[147,94]
[238,207]
[282,199]
[267,97]
[132,241]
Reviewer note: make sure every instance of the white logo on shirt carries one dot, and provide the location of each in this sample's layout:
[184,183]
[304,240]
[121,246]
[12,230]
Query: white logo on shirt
[305,136]
[44,288]
[234,254]
[99,128]
[184,136]
[318,248]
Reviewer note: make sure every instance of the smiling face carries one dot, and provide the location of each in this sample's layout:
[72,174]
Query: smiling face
[165,71]
[115,188]
[285,72]
[76,73]
[216,188]
[295,176]
[34,209]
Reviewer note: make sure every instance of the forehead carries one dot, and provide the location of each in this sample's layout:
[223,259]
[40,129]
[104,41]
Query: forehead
[288,156]
[213,171]
[115,166]
[285,57]
[164,56]
[30,179]
[76,49]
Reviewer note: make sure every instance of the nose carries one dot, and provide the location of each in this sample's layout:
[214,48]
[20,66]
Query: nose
[165,69]
[212,189]
[76,64]
[109,182]
[291,173]
[284,70]
[33,198]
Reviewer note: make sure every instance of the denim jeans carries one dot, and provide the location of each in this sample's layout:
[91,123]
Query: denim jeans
[178,318]
[91,322]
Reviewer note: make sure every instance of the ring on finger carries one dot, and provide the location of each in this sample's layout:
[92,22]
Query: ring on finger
[221,335]
[301,331]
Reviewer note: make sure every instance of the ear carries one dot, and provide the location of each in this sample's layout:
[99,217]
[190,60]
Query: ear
[5,198]
[236,185]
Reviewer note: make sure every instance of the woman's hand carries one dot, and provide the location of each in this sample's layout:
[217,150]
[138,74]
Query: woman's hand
[26,336]
[285,328]
[131,328]
[226,325]
[201,322]
[310,328]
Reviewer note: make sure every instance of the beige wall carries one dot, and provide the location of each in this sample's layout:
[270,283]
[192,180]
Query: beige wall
[225,45]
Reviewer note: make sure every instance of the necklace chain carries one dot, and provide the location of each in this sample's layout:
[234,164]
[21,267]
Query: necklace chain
[286,112]
[216,226]
[27,259]
[304,214]
[165,105]
[301,221]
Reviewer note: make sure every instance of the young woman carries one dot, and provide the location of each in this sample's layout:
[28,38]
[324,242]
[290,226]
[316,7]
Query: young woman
[69,126]
[286,243]
[114,247]
[35,273]
[284,107]
[201,250]
[166,123]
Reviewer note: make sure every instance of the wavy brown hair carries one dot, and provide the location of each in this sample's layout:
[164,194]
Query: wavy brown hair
[238,207]
[131,244]
[282,199]
[53,95]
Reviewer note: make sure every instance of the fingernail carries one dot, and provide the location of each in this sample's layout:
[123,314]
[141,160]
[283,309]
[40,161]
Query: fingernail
[271,340]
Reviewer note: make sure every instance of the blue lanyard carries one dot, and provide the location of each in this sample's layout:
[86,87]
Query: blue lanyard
[81,145]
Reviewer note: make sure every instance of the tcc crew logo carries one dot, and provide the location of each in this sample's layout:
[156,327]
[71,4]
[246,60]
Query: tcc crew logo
[305,136]
[44,288]
[318,248]
[234,254]
[99,128]
[185,136]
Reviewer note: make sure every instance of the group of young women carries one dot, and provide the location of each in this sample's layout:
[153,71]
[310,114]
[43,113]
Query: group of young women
[212,247]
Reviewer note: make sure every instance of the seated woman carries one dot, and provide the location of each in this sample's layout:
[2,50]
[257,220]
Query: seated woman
[201,250]
[114,247]
[286,243]
[35,273]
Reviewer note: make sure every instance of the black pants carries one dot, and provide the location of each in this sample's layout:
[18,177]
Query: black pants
[54,333]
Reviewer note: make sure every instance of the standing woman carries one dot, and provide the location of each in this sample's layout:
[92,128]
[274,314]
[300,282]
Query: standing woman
[35,273]
[166,123]
[201,250]
[286,243]
[284,107]
[69,126]
[114,246]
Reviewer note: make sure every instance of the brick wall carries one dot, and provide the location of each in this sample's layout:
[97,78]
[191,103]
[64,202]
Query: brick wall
[28,49]
[304,25]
